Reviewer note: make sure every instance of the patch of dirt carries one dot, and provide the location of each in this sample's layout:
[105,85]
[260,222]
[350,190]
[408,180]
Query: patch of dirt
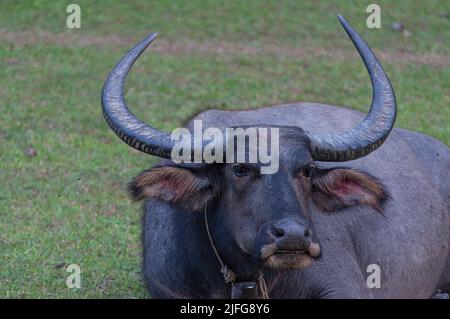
[111,211]
[30,152]
[61,265]
[70,39]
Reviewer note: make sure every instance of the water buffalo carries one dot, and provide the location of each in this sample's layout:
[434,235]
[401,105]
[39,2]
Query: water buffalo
[314,229]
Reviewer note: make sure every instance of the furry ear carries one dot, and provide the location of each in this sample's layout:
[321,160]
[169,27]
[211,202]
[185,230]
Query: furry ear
[338,188]
[174,185]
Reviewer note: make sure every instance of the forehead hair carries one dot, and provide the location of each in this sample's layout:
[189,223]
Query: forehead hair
[292,142]
[294,147]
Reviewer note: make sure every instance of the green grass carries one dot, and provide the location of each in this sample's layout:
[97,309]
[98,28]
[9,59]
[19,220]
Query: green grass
[68,204]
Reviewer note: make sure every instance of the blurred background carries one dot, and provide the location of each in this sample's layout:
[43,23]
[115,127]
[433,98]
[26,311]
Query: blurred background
[63,172]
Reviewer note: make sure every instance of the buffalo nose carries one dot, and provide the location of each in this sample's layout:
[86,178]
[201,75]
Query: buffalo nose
[290,229]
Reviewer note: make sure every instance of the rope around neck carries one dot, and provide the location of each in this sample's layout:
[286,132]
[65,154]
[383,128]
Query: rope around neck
[262,285]
[229,275]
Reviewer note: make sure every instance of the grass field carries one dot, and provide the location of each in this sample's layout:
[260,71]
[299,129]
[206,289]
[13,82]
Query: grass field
[67,203]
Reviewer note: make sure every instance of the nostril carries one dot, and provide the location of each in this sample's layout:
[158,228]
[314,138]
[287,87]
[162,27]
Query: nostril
[307,233]
[278,232]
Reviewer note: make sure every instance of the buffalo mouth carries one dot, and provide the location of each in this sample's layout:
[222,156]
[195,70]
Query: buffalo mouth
[289,252]
[278,259]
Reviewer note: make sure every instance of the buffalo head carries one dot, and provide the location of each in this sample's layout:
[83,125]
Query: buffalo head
[263,218]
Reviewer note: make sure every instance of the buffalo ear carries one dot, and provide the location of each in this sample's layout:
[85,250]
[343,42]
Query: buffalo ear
[338,188]
[174,185]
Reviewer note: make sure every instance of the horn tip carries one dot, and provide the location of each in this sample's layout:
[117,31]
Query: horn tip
[342,20]
[148,40]
[152,36]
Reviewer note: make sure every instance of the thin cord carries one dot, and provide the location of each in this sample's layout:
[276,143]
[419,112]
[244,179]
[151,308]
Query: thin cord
[262,286]
[228,275]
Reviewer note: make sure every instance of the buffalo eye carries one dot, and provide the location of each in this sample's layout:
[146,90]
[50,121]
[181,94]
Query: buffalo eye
[240,170]
[309,171]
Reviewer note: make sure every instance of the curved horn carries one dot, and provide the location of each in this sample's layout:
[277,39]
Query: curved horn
[373,131]
[128,127]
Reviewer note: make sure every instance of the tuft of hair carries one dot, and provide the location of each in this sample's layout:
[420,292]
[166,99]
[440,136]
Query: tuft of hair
[172,184]
[338,188]
[296,262]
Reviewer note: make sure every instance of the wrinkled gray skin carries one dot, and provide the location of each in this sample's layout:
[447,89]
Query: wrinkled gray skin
[410,242]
